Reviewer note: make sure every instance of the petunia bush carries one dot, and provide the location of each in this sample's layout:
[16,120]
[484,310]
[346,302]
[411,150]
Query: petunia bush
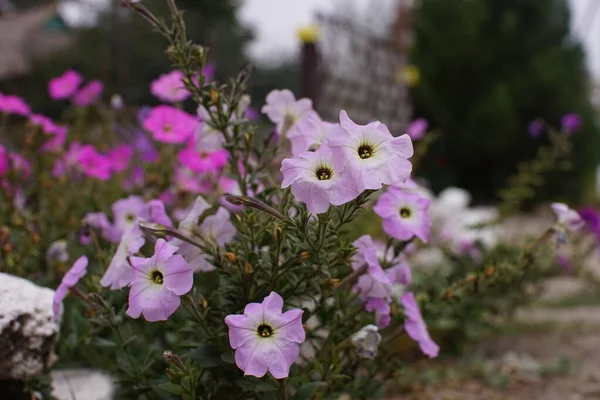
[219,259]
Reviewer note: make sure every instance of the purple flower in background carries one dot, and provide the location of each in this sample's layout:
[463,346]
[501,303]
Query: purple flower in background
[417,128]
[157,282]
[570,123]
[209,72]
[265,339]
[135,179]
[120,157]
[170,125]
[88,94]
[415,326]
[64,86]
[14,105]
[316,182]
[94,164]
[145,148]
[125,215]
[404,214]
[252,114]
[118,274]
[375,289]
[77,271]
[4,161]
[535,128]
[369,153]
[154,211]
[143,113]
[283,109]
[202,161]
[591,217]
[170,88]
[567,219]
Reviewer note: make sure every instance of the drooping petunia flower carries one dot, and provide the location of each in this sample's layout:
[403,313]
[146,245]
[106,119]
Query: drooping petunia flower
[170,88]
[94,164]
[215,231]
[308,133]
[64,86]
[404,214]
[570,123]
[369,153]
[283,109]
[14,105]
[366,341]
[77,271]
[375,288]
[201,161]
[118,275]
[170,125]
[265,339]
[415,326]
[120,157]
[417,128]
[157,282]
[87,95]
[316,181]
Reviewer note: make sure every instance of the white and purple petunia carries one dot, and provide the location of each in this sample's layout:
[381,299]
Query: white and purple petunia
[567,219]
[404,214]
[308,133]
[265,338]
[118,275]
[369,153]
[375,288]
[157,282]
[415,326]
[77,271]
[316,181]
[283,109]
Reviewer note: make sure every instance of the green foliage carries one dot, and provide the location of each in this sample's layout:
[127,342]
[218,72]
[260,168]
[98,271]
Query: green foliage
[486,75]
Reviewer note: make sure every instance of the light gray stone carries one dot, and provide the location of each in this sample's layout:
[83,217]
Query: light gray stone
[27,330]
[82,384]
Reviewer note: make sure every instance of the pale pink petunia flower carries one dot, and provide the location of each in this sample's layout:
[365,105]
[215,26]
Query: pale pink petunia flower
[119,274]
[214,231]
[417,128]
[157,282]
[415,326]
[126,213]
[308,133]
[87,95]
[170,125]
[369,153]
[94,164]
[283,109]
[404,214]
[64,86]
[316,181]
[170,88]
[265,338]
[77,271]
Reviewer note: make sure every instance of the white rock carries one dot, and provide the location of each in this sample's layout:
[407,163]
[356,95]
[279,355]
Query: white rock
[82,384]
[27,330]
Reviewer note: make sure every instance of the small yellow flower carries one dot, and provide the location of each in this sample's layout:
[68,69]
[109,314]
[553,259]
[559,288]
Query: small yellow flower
[410,75]
[309,34]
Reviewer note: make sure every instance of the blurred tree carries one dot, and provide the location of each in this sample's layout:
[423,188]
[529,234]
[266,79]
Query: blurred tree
[487,69]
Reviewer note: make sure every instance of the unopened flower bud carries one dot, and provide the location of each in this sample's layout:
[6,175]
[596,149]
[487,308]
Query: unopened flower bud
[277,232]
[335,283]
[198,54]
[366,341]
[214,96]
[116,102]
[174,359]
[203,302]
[57,252]
[35,238]
[490,271]
[248,269]
[304,255]
[231,257]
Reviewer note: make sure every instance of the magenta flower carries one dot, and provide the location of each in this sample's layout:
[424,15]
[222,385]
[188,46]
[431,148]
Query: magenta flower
[417,128]
[135,180]
[94,164]
[283,109]
[308,133]
[46,124]
[69,161]
[404,214]
[77,271]
[87,95]
[65,85]
[119,274]
[170,88]
[14,105]
[591,217]
[415,326]
[56,143]
[20,165]
[188,181]
[119,157]
[4,161]
[570,123]
[202,162]
[169,125]
[157,283]
[209,72]
[370,154]
[215,231]
[316,181]
[265,339]
[567,219]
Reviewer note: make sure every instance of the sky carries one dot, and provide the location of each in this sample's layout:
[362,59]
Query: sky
[276,23]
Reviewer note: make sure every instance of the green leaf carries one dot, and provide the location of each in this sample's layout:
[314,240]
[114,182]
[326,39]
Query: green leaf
[206,355]
[305,392]
[251,384]
[171,388]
